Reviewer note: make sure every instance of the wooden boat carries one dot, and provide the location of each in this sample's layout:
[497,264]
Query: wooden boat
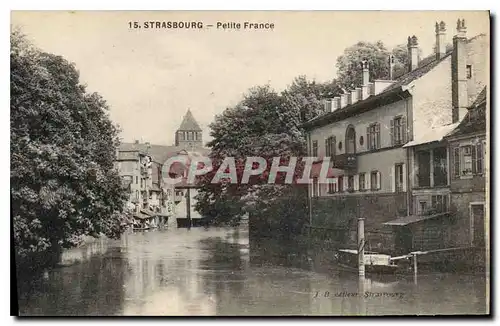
[374,262]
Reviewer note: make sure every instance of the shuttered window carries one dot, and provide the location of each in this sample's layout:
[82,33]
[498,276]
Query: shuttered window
[398,131]
[468,160]
[456,162]
[375,180]
[362,184]
[330,146]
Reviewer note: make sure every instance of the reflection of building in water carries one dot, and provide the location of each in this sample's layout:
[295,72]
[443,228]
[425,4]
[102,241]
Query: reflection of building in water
[164,275]
[141,167]
[92,246]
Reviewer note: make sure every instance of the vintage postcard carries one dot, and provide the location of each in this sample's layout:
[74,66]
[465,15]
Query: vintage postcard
[250,163]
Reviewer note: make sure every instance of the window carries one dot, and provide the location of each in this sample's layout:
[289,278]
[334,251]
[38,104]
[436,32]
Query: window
[340,182]
[469,71]
[315,187]
[422,207]
[350,140]
[373,136]
[479,166]
[141,182]
[398,175]
[361,140]
[424,168]
[468,160]
[315,148]
[398,131]
[440,164]
[362,182]
[350,183]
[332,187]
[375,180]
[136,180]
[340,145]
[330,146]
[439,204]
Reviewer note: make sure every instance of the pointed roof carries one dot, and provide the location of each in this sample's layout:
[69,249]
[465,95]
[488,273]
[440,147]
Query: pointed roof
[189,123]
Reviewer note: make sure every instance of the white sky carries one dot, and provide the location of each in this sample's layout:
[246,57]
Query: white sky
[150,77]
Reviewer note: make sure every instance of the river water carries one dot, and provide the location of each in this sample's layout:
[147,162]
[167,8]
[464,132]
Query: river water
[219,272]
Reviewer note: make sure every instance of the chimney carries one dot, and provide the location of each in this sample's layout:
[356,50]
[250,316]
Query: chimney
[391,67]
[440,40]
[343,100]
[366,72]
[413,52]
[335,103]
[354,96]
[328,105]
[458,73]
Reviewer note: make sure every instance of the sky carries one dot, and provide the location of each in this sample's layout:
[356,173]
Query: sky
[150,77]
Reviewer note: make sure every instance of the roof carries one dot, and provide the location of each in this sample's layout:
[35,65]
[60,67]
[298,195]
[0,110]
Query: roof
[405,220]
[413,75]
[432,135]
[391,94]
[475,119]
[189,123]
[159,153]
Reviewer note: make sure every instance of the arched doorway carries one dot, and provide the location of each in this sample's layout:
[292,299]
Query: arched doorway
[350,140]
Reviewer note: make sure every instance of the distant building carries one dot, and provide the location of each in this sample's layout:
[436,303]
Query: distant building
[386,136]
[189,135]
[141,167]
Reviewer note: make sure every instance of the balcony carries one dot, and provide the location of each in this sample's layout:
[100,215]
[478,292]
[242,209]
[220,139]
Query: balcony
[347,161]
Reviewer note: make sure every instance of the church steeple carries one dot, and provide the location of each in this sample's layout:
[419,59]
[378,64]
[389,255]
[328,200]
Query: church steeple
[189,134]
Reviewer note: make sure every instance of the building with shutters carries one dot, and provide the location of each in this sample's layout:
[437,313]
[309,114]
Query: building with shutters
[386,135]
[140,165]
[468,145]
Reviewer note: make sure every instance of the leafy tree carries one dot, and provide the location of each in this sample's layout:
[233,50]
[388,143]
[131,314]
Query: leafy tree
[268,125]
[349,71]
[63,181]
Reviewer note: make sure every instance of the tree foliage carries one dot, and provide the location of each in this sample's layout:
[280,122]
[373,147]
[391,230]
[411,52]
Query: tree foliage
[265,124]
[349,72]
[63,181]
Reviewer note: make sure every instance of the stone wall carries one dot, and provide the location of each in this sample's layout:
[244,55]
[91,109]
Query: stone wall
[335,219]
[460,203]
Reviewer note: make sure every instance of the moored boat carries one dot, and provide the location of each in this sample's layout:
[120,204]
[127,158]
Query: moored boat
[374,262]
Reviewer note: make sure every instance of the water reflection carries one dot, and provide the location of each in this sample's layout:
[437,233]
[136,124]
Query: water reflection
[219,272]
[92,287]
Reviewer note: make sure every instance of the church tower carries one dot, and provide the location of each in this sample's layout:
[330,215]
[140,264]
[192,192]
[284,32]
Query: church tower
[188,135]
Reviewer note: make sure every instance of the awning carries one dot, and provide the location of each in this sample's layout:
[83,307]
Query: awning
[332,172]
[405,220]
[431,135]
